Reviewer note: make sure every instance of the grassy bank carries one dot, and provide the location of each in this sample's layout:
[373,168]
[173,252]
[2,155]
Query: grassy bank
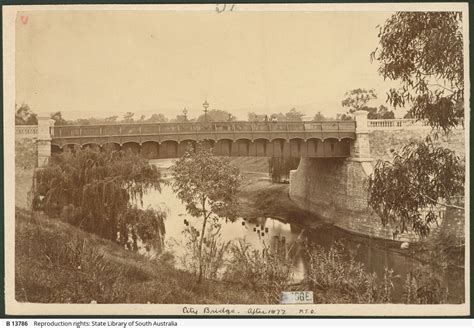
[58,263]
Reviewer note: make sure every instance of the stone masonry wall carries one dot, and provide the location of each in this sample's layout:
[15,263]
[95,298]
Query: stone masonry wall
[383,142]
[335,190]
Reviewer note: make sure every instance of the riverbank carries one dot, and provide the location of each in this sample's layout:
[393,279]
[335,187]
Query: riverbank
[58,263]
[259,197]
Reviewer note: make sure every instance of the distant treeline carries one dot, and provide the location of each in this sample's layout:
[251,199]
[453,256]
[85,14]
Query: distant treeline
[25,116]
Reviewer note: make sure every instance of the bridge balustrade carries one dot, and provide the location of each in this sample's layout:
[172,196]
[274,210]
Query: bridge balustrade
[199,131]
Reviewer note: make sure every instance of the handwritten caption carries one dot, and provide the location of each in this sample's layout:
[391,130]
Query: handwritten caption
[251,311]
[224,7]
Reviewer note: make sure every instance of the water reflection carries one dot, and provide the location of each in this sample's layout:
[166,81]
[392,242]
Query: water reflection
[265,231]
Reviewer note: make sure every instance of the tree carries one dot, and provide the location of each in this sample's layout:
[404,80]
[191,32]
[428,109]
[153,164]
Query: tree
[207,185]
[421,176]
[253,117]
[381,113]
[294,115]
[157,118]
[25,116]
[384,113]
[111,119]
[280,117]
[58,119]
[95,190]
[319,117]
[344,117]
[216,115]
[128,117]
[424,52]
[356,99]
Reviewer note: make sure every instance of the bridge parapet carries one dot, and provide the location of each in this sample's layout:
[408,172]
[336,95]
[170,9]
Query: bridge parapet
[26,131]
[403,124]
[159,132]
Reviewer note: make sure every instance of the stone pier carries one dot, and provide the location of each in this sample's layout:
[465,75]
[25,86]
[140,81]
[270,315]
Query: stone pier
[336,189]
[43,141]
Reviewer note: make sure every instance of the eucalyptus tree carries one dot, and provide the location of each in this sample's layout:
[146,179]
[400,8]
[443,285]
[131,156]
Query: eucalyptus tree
[208,186]
[423,51]
[357,99]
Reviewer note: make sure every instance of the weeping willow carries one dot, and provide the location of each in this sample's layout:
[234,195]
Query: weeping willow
[95,190]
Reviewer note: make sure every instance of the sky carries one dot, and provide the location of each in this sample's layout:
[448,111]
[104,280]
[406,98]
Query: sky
[103,63]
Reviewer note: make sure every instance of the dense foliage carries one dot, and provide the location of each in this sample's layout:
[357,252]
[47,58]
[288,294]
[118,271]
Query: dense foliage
[25,116]
[293,115]
[25,154]
[408,191]
[208,257]
[95,191]
[267,271]
[336,277]
[424,52]
[207,185]
[379,113]
[357,99]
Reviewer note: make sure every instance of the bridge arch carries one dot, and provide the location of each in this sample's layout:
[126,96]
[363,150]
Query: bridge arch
[150,149]
[170,138]
[91,145]
[260,147]
[71,147]
[241,147]
[56,149]
[297,147]
[314,147]
[279,147]
[332,147]
[184,144]
[111,146]
[223,147]
[169,149]
[131,146]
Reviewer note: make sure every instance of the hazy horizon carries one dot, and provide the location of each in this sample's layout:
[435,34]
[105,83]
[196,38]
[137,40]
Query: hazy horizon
[103,63]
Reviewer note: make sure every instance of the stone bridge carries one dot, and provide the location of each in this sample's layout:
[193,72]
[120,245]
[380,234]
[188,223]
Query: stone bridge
[336,156]
[328,139]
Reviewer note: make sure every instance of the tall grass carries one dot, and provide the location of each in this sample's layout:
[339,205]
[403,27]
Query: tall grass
[58,263]
[335,277]
[267,271]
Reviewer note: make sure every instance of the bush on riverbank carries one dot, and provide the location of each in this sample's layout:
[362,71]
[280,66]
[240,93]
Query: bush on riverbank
[267,271]
[335,277]
[58,263]
[25,154]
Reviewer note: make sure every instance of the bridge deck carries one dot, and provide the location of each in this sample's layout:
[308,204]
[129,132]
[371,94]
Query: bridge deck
[178,132]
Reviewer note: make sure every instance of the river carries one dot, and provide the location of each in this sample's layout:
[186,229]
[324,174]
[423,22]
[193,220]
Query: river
[264,230]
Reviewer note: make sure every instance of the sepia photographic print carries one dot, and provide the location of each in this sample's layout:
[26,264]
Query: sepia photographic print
[237,159]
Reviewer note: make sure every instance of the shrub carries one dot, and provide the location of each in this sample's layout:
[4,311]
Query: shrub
[267,271]
[424,287]
[210,260]
[25,154]
[335,277]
